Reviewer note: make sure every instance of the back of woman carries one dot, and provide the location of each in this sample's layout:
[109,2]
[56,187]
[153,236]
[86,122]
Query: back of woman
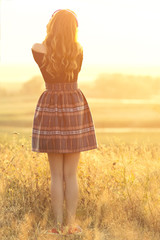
[62,125]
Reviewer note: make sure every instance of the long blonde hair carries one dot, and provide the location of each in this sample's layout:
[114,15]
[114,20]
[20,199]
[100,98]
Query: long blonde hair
[61,44]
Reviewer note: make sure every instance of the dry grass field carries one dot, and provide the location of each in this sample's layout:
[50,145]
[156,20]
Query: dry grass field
[119,191]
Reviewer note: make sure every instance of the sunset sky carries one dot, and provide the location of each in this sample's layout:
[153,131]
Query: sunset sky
[117,36]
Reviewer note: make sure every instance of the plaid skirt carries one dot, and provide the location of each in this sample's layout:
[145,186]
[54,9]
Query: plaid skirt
[62,121]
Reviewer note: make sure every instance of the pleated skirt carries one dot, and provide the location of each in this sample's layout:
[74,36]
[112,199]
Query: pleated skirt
[62,121]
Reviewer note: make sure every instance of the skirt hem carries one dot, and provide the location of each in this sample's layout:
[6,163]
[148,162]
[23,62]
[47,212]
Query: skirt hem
[60,151]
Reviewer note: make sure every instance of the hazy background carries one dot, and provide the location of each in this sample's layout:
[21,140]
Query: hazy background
[117,36]
[120,73]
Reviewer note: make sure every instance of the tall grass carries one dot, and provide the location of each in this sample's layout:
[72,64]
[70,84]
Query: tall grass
[119,192]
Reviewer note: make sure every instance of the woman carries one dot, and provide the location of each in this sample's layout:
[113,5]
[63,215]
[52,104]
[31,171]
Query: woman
[62,125]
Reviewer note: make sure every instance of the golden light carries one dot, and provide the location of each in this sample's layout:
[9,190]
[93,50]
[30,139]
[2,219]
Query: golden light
[117,36]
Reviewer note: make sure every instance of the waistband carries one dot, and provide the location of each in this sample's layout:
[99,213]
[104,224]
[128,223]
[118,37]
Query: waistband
[61,86]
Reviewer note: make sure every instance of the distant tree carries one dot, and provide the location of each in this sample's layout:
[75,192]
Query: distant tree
[33,87]
[124,86]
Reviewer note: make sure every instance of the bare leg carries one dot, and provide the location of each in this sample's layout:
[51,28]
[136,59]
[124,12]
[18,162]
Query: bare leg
[71,185]
[57,187]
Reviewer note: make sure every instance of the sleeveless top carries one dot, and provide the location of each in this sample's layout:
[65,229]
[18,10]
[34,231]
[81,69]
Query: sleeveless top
[38,57]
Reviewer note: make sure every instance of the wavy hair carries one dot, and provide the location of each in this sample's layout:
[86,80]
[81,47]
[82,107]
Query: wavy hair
[61,44]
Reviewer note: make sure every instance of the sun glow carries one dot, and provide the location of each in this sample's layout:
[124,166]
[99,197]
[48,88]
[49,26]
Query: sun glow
[114,34]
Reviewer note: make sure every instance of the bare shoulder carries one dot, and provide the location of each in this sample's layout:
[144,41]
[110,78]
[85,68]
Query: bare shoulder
[39,47]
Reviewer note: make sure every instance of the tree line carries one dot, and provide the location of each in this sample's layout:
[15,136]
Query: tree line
[105,86]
